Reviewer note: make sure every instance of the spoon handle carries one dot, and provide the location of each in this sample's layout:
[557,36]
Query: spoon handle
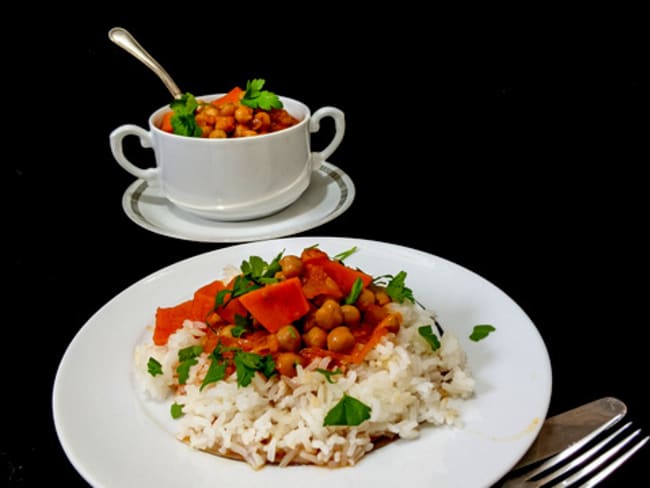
[126,41]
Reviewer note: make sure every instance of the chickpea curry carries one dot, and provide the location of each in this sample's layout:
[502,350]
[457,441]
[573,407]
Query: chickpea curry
[292,310]
[239,113]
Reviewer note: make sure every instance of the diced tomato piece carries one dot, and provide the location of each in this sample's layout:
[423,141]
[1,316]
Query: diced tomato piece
[277,304]
[318,282]
[232,308]
[345,276]
[204,298]
[232,96]
[313,255]
[169,320]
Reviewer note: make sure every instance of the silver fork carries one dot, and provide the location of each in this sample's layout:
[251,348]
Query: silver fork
[590,474]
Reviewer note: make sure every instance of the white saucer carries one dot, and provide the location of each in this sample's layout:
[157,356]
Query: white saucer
[329,194]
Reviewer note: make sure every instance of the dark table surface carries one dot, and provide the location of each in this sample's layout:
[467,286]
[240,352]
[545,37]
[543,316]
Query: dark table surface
[515,149]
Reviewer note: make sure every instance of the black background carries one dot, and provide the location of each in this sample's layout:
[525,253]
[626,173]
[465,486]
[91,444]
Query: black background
[513,143]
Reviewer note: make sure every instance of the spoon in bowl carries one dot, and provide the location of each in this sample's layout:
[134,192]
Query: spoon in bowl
[126,41]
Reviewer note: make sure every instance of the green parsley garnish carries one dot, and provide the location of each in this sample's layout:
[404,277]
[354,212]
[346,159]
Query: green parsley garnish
[240,287]
[183,121]
[242,325]
[396,289]
[154,367]
[345,254]
[426,331]
[247,363]
[255,273]
[216,372]
[355,291]
[348,411]
[189,352]
[187,357]
[328,374]
[183,370]
[481,332]
[177,410]
[255,97]
[261,272]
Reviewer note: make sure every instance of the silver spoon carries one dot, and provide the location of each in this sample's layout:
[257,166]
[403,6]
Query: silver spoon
[126,41]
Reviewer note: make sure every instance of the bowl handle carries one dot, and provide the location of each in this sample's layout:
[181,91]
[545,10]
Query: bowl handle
[117,149]
[317,158]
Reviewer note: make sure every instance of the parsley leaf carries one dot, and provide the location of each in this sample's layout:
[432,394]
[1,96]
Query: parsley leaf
[357,287]
[185,125]
[216,372]
[348,411]
[187,357]
[345,254]
[255,273]
[259,271]
[189,352]
[177,410]
[241,326]
[328,374]
[183,121]
[255,97]
[247,363]
[241,286]
[221,297]
[397,290]
[183,370]
[187,104]
[154,367]
[481,332]
[427,333]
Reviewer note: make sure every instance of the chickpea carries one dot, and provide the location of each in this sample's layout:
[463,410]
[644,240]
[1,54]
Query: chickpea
[351,315]
[329,315]
[261,121]
[382,298]
[291,266]
[204,118]
[209,110]
[243,114]
[315,337]
[283,118]
[225,123]
[340,339]
[227,108]
[242,131]
[366,298]
[286,362]
[288,338]
[217,134]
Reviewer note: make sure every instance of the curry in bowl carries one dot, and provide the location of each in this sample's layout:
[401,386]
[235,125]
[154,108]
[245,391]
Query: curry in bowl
[238,113]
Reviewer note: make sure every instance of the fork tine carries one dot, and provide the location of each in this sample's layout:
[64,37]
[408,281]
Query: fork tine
[569,451]
[604,473]
[580,459]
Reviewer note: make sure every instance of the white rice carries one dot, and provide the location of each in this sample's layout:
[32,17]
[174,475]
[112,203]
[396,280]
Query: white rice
[280,420]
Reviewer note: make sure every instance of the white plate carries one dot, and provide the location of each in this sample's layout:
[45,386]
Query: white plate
[330,193]
[113,438]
